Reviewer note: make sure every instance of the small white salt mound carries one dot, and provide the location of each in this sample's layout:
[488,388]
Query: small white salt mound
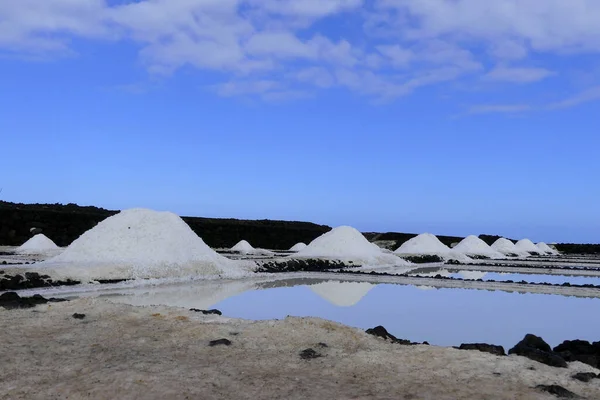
[507,247]
[141,243]
[544,248]
[527,246]
[348,244]
[298,246]
[243,247]
[40,243]
[474,246]
[342,294]
[473,275]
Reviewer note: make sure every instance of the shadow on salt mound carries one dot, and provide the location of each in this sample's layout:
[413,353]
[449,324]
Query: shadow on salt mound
[474,246]
[526,245]
[347,244]
[429,244]
[544,248]
[507,247]
[243,247]
[38,244]
[141,243]
[298,246]
[342,294]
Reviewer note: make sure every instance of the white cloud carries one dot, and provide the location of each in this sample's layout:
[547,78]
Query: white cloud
[316,76]
[518,75]
[405,44]
[547,25]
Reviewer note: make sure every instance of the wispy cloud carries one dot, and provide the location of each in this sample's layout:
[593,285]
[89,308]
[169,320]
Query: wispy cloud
[499,108]
[589,95]
[518,75]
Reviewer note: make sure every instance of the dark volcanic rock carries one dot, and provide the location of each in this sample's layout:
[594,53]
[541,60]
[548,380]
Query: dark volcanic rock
[293,265]
[585,376]
[11,300]
[207,312]
[381,332]
[534,348]
[484,347]
[78,316]
[558,391]
[309,354]
[218,342]
[31,280]
[579,350]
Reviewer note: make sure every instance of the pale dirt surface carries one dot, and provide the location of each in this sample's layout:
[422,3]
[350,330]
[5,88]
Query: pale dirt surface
[126,352]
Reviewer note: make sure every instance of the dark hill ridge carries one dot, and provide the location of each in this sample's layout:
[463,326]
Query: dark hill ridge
[64,223]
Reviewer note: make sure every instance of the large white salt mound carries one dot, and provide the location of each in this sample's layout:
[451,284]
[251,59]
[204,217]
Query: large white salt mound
[342,294]
[425,243]
[472,245]
[298,246]
[527,245]
[347,244]
[544,248]
[40,243]
[141,243]
[507,247]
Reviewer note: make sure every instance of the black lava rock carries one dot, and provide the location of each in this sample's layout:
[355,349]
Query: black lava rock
[579,350]
[78,316]
[585,376]
[558,391]
[309,354]
[218,342]
[381,332]
[11,300]
[207,312]
[484,347]
[534,348]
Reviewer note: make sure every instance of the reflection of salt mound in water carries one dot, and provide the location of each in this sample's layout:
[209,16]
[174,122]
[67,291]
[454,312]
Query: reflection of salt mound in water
[544,248]
[346,243]
[527,246]
[298,246]
[40,243]
[474,246]
[342,294]
[507,247]
[140,243]
[474,275]
[201,295]
[244,247]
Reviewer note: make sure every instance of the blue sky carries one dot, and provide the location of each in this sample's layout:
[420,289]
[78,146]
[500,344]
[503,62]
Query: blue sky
[454,117]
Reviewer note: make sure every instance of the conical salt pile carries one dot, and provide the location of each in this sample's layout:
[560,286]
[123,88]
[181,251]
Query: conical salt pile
[347,244]
[544,248]
[38,244]
[298,246]
[527,246]
[141,243]
[508,248]
[243,247]
[474,246]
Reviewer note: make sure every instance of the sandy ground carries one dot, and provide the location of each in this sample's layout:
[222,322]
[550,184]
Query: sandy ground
[124,352]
